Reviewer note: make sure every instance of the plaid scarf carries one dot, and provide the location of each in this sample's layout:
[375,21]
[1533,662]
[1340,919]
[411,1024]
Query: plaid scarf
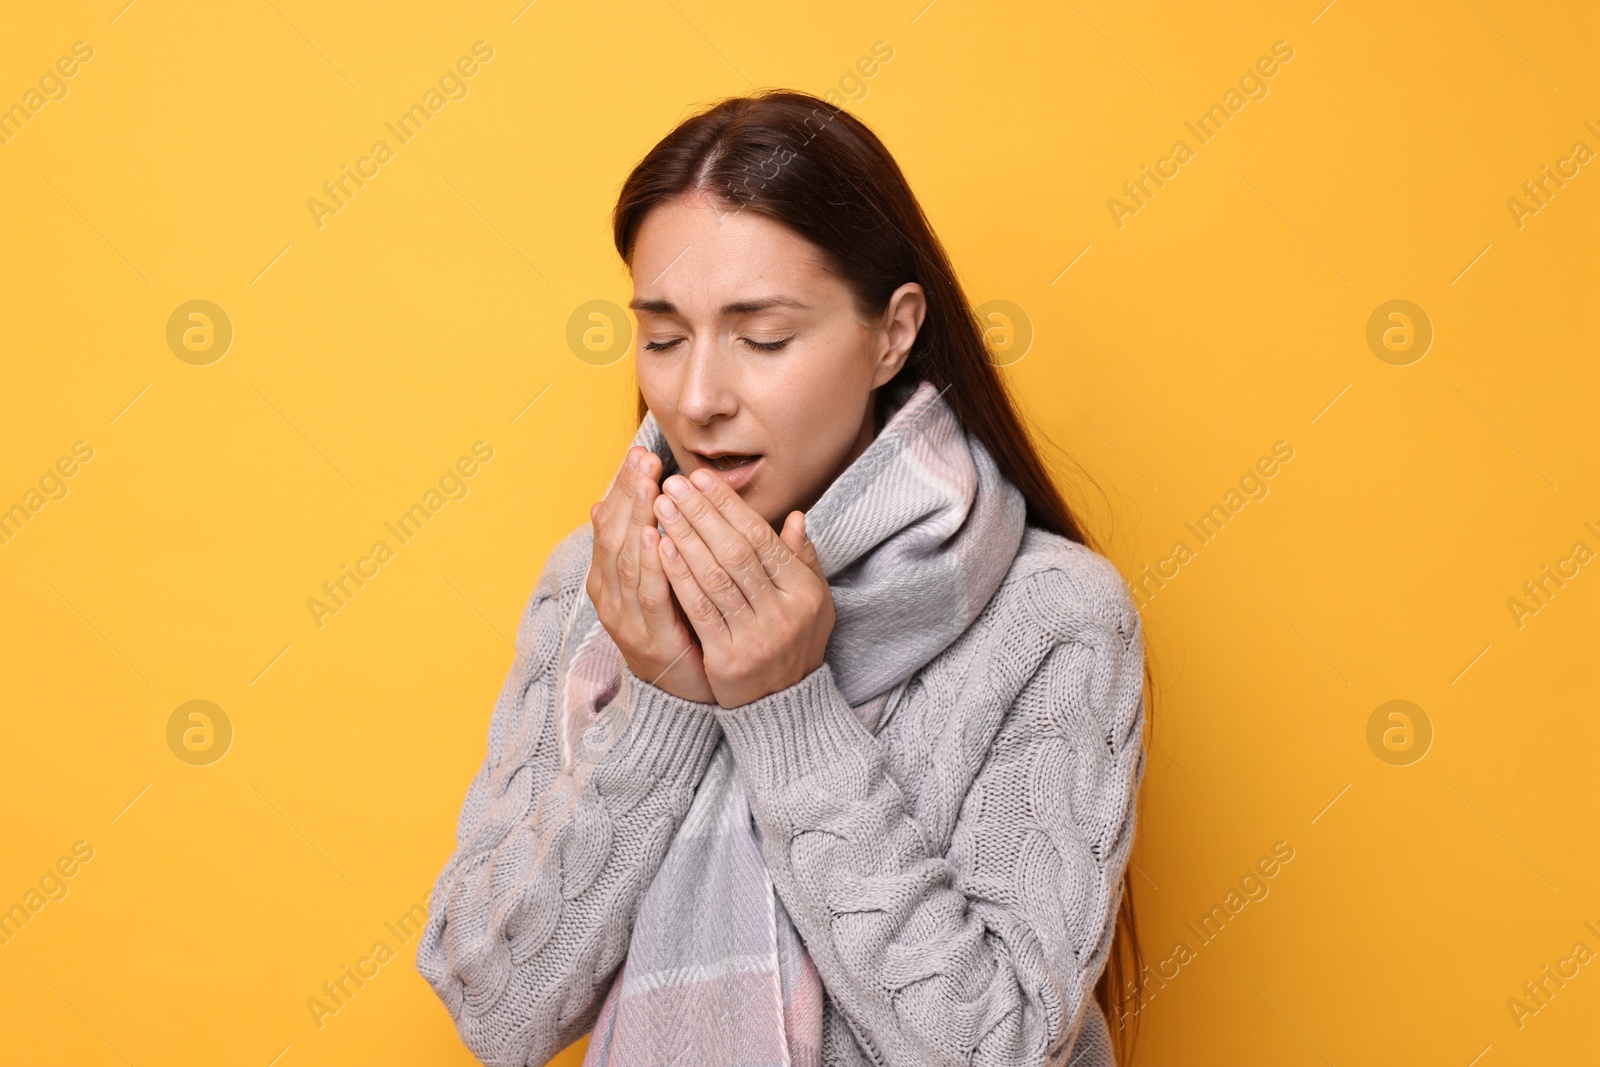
[914,537]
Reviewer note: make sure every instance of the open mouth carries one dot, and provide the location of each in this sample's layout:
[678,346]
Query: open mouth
[736,469]
[728,461]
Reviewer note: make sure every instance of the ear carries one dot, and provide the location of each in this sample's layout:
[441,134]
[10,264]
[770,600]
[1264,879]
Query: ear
[902,319]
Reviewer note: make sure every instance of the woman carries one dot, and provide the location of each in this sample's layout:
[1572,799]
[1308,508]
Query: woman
[824,736]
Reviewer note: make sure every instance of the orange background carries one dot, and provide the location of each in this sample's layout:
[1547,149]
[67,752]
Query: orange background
[1171,348]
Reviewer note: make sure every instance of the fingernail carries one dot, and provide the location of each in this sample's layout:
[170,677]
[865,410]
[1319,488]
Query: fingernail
[669,510]
[633,459]
[670,548]
[702,479]
[677,486]
[639,494]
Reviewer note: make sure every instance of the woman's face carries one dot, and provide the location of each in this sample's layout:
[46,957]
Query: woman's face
[751,355]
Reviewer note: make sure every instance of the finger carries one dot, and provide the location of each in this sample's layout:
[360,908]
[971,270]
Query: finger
[794,538]
[655,592]
[640,514]
[742,540]
[620,487]
[618,501]
[717,553]
[706,618]
[712,578]
[610,522]
[774,552]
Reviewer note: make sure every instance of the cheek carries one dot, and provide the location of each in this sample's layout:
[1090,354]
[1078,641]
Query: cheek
[810,435]
[651,383]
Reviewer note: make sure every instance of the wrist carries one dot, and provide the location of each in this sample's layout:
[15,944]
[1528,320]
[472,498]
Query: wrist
[743,691]
[682,679]
[668,675]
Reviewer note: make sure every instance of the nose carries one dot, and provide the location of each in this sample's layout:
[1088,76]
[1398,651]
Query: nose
[706,391]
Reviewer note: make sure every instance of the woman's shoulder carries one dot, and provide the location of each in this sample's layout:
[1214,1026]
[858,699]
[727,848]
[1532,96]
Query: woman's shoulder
[1066,588]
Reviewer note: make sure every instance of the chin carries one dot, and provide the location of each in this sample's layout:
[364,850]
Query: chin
[763,508]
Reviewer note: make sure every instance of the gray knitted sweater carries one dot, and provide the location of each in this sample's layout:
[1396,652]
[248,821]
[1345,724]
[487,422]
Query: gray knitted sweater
[955,876]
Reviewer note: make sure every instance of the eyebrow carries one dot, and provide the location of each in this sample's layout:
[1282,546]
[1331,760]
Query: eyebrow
[738,307]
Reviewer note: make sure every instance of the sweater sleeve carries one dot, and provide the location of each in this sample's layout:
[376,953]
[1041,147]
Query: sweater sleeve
[989,954]
[532,914]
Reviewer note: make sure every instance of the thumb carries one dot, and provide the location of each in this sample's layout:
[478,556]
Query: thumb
[795,539]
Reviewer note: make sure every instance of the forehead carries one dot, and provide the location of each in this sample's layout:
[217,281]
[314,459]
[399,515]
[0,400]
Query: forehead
[700,253]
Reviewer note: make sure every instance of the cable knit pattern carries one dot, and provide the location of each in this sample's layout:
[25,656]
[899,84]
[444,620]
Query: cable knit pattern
[956,882]
[533,910]
[954,876]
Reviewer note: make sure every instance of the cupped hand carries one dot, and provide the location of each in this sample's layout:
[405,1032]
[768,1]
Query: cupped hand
[629,587]
[757,600]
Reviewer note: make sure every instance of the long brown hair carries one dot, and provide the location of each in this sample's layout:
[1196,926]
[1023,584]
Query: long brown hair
[820,171]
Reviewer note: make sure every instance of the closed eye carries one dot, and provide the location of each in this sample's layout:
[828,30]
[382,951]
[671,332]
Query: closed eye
[761,346]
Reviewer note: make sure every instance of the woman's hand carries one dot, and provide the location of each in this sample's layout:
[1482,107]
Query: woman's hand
[629,588]
[758,600]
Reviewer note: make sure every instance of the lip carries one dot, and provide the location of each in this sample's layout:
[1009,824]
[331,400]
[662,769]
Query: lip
[735,479]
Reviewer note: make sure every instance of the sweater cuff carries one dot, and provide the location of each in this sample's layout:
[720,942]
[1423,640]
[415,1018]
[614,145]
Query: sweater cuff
[794,732]
[666,736]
